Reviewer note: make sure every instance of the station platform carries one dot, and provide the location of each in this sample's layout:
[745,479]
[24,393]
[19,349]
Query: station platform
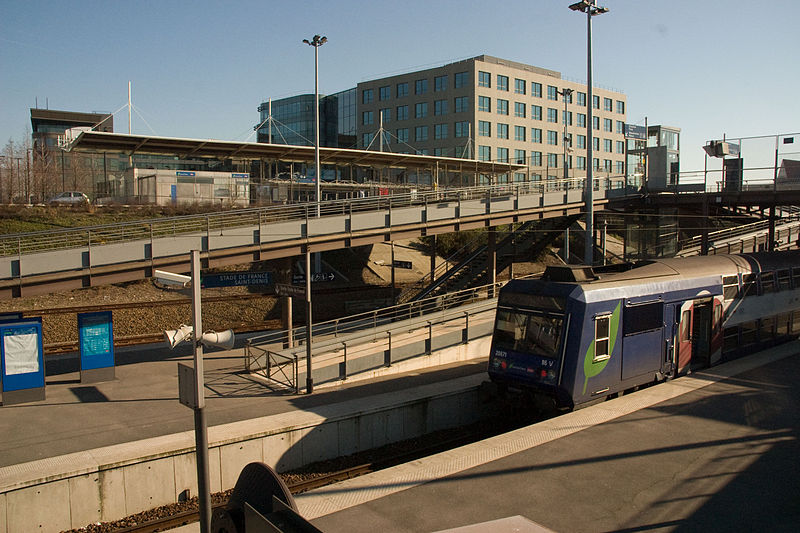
[142,401]
[713,451]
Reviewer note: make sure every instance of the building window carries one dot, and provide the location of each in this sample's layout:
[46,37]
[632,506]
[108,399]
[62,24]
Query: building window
[366,138]
[519,157]
[596,144]
[502,155]
[608,105]
[440,107]
[502,107]
[462,129]
[462,104]
[440,131]
[386,115]
[519,109]
[552,115]
[421,110]
[484,153]
[620,167]
[420,86]
[367,96]
[567,117]
[552,92]
[607,165]
[485,104]
[402,89]
[602,330]
[596,123]
[581,120]
[581,142]
[607,144]
[536,89]
[596,163]
[484,79]
[440,83]
[581,99]
[384,93]
[502,131]
[519,133]
[367,118]
[519,86]
[552,137]
[519,176]
[484,128]
[402,135]
[620,147]
[608,125]
[620,127]
[580,162]
[461,79]
[620,107]
[596,101]
[502,82]
[536,159]
[421,133]
[402,112]
[536,112]
[536,135]
[552,160]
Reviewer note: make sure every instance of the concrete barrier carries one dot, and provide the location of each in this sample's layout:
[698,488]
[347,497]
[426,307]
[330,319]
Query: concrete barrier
[103,484]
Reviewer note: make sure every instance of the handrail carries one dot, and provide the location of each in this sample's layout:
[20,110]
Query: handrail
[52,240]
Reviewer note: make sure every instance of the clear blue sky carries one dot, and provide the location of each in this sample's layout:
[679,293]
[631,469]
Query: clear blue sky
[199,69]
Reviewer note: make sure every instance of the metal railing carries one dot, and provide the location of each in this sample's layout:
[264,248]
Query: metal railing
[219,222]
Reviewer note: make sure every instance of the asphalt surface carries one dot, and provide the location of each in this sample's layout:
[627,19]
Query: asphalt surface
[720,458]
[142,401]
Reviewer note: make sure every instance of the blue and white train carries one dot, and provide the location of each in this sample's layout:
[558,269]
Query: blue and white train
[578,335]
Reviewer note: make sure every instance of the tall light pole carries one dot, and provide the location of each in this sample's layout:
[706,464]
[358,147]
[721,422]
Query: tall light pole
[316,42]
[591,9]
[566,93]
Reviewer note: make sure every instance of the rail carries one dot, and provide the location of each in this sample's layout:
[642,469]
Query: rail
[275,356]
[749,230]
[218,223]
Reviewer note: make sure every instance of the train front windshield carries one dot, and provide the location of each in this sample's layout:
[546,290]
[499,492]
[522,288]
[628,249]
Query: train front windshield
[528,333]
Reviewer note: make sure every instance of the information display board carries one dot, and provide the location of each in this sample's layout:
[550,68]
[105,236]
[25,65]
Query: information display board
[22,361]
[96,339]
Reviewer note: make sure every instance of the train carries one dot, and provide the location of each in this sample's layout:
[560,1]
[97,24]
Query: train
[580,334]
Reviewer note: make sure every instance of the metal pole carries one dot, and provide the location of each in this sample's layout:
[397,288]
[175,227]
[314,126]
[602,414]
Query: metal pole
[309,378]
[588,254]
[200,427]
[316,127]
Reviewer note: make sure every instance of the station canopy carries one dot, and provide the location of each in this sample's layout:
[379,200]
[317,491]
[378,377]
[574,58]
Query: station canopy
[95,141]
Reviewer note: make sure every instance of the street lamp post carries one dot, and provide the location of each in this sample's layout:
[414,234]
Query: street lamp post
[591,9]
[316,42]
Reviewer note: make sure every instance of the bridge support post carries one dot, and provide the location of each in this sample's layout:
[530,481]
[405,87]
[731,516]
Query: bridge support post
[492,251]
[771,233]
[285,276]
[433,258]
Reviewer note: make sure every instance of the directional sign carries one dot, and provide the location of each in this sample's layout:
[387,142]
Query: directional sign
[232,279]
[403,264]
[319,276]
[283,289]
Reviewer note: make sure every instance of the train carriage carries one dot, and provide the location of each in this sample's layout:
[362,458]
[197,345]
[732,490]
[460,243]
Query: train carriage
[578,335]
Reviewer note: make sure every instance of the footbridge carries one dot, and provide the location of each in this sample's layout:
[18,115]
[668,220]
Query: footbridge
[43,262]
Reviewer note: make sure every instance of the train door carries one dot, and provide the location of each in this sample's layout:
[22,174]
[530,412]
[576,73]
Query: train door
[701,333]
[716,331]
[683,337]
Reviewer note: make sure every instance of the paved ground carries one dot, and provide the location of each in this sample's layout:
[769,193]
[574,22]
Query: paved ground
[142,401]
[723,457]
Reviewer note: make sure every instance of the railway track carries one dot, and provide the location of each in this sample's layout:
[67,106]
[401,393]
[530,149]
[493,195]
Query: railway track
[409,451]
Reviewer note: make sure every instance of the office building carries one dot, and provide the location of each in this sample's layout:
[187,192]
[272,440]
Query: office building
[493,109]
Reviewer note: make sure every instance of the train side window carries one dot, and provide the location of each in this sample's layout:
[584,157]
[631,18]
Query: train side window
[686,318]
[767,282]
[730,287]
[717,317]
[602,327]
[784,280]
[643,317]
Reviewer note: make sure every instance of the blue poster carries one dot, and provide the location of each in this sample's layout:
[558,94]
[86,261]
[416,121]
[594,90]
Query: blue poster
[22,355]
[96,339]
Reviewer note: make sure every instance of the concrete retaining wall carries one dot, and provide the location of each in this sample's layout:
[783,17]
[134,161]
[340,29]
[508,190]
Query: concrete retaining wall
[104,484]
